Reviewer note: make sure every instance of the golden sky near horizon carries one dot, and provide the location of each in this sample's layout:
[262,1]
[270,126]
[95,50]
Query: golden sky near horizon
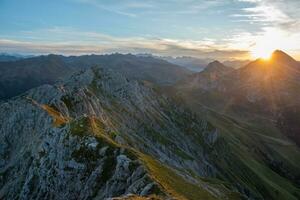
[220,29]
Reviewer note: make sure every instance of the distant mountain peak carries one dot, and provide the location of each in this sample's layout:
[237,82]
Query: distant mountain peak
[216,66]
[279,52]
[280,56]
[215,62]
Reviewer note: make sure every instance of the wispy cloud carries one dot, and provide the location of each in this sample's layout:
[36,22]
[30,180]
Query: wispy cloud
[66,42]
[268,39]
[277,22]
[114,8]
[134,8]
[271,12]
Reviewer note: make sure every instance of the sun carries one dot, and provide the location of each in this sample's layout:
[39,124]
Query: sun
[267,43]
[264,48]
[262,52]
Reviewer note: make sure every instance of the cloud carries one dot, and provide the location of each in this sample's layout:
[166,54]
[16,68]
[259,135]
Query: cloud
[267,39]
[283,14]
[113,8]
[12,46]
[134,8]
[66,41]
[277,25]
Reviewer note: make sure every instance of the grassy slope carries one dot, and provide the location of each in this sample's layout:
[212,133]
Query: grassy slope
[176,186]
[249,151]
[172,184]
[246,147]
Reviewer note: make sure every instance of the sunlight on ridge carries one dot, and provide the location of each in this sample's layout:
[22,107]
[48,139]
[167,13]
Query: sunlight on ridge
[267,43]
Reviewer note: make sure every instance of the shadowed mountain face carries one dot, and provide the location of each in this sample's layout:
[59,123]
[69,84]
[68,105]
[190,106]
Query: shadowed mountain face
[236,63]
[193,64]
[255,105]
[267,83]
[19,76]
[263,89]
[5,58]
[288,121]
[150,69]
[207,78]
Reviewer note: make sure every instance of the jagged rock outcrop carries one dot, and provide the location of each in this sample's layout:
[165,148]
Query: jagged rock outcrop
[41,161]
[85,139]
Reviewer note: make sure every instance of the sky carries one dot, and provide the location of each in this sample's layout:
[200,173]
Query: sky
[221,29]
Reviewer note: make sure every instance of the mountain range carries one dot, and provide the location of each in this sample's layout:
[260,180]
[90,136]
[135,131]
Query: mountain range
[12,57]
[197,64]
[263,89]
[130,127]
[191,63]
[18,76]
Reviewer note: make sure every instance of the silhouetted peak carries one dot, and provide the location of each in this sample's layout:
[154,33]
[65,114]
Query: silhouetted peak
[280,56]
[215,65]
[279,52]
[216,62]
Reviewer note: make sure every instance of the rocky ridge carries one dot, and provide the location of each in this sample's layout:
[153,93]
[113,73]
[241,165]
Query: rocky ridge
[95,136]
[99,135]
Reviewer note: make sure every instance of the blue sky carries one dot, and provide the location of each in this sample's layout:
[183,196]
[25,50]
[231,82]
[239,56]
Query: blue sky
[201,28]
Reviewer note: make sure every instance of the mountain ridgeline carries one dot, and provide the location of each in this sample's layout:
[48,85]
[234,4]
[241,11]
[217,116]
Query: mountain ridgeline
[136,127]
[117,136]
[263,90]
[20,75]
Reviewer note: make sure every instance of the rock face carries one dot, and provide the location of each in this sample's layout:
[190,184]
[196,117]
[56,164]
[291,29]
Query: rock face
[85,139]
[41,161]
[99,135]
